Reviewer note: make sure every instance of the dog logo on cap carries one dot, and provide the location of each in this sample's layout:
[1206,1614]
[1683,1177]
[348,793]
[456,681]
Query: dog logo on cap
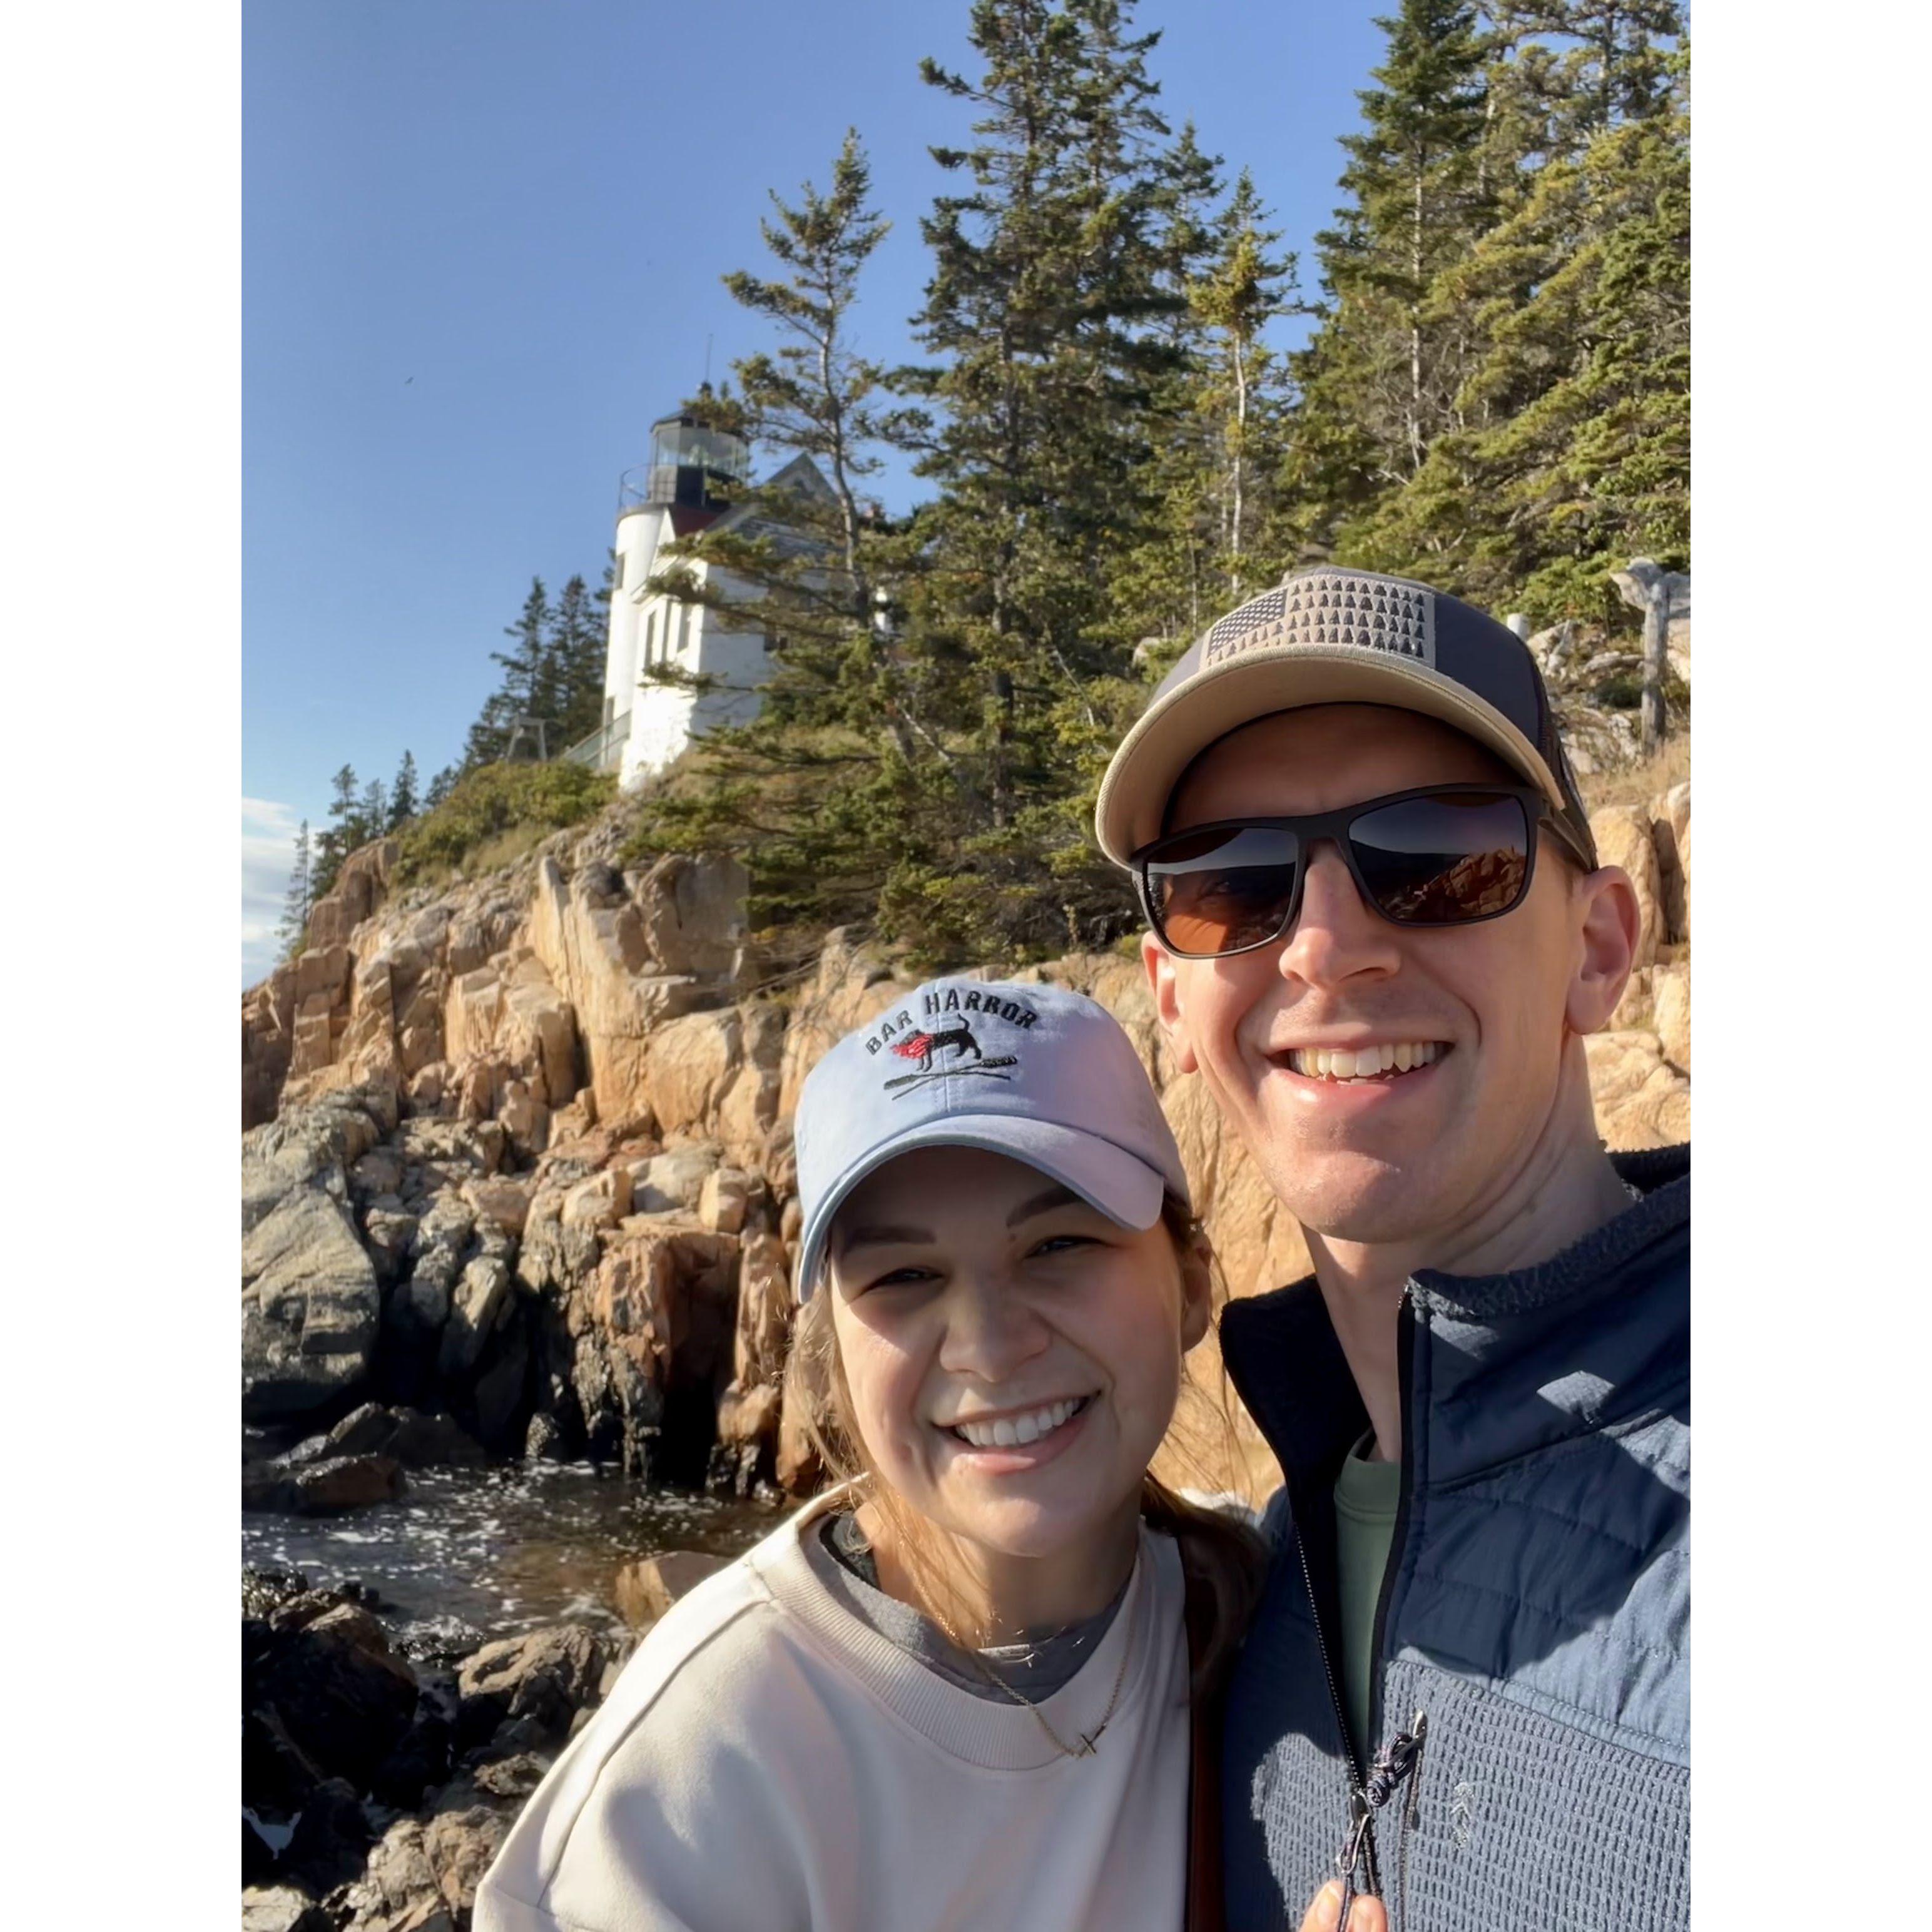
[942,1042]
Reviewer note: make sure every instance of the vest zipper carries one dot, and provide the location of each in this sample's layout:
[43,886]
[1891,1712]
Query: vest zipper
[1359,1847]
[1404,1355]
[1401,1758]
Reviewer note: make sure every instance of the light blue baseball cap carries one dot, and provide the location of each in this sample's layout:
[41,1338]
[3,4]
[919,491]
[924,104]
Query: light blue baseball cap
[1044,1076]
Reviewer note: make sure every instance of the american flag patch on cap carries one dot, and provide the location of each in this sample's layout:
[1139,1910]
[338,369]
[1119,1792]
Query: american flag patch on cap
[1331,607]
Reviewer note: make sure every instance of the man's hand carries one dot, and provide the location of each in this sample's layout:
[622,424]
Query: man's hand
[1365,1914]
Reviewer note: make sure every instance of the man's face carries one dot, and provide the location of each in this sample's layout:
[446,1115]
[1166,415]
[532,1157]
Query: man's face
[1411,1152]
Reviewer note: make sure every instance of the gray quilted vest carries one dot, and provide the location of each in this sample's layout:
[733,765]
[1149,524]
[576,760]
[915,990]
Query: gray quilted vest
[1536,1610]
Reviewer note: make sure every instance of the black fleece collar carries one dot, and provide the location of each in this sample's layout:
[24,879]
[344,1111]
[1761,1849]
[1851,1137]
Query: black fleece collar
[1287,1367]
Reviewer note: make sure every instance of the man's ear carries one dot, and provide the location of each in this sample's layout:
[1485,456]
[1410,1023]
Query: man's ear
[1160,974]
[1611,924]
[1197,1290]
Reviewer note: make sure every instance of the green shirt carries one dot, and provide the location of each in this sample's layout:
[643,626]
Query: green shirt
[1366,1496]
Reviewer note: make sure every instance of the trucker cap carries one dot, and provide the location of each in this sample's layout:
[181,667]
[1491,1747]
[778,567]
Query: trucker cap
[1033,1072]
[1333,636]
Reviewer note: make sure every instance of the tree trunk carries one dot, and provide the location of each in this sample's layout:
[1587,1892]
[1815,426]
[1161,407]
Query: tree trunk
[1646,586]
[1656,641]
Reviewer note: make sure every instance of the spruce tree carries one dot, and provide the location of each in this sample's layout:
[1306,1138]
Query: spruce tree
[1048,318]
[1574,450]
[574,650]
[342,834]
[293,931]
[403,804]
[813,792]
[1379,379]
[372,812]
[529,689]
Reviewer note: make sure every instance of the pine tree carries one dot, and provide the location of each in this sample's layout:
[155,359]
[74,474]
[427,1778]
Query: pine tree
[372,812]
[293,931]
[1576,444]
[403,804]
[1379,380]
[1051,326]
[574,649]
[810,792]
[440,787]
[529,689]
[340,836]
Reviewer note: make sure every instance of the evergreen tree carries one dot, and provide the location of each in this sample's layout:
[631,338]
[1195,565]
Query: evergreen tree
[1380,379]
[293,931]
[810,792]
[372,812]
[404,805]
[342,834]
[1576,438]
[574,647]
[439,788]
[529,689]
[1050,311]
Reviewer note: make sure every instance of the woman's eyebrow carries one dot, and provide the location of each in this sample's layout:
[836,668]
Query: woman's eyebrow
[883,1237]
[1054,1197]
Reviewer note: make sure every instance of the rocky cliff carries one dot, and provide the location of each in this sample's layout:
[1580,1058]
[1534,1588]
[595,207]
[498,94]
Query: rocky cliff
[520,1148]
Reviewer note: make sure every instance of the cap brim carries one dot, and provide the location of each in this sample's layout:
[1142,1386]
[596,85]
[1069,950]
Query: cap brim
[1172,735]
[1121,1185]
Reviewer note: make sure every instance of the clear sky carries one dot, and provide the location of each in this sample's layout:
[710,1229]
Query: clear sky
[482,242]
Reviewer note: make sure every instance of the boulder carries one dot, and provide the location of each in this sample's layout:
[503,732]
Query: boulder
[764,1310]
[1622,833]
[600,1201]
[1672,1004]
[503,1202]
[673,1182]
[325,1486]
[690,1069]
[281,1908]
[333,1688]
[415,1440]
[462,1841]
[398,1891]
[1670,833]
[547,1675]
[1642,1100]
[310,1304]
[724,1199]
[691,913]
[482,1302]
[646,1590]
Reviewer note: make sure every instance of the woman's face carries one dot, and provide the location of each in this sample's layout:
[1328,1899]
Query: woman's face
[1012,1356]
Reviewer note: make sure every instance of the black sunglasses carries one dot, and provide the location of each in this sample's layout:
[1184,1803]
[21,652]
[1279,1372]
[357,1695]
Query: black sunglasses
[1445,855]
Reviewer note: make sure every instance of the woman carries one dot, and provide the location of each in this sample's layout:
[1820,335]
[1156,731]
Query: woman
[969,1685]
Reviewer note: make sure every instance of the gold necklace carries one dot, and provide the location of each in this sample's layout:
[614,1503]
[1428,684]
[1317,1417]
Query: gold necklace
[1089,1740]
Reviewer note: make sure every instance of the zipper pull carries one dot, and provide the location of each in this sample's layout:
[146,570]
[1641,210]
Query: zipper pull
[1353,1856]
[1393,1763]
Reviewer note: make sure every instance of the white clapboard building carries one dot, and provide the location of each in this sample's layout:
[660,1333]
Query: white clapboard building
[686,489]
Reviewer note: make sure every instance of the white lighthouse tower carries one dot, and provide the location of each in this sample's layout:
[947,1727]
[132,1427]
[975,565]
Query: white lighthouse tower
[688,487]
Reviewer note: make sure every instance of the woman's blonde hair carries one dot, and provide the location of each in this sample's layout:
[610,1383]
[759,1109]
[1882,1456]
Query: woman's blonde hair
[1223,1558]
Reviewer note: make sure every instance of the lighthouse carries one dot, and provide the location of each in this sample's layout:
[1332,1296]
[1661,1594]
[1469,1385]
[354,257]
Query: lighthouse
[696,480]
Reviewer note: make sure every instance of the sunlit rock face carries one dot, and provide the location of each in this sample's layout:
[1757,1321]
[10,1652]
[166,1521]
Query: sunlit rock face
[521,1151]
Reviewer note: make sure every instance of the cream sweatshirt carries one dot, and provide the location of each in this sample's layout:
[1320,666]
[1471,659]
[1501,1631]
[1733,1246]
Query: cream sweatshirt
[768,1763]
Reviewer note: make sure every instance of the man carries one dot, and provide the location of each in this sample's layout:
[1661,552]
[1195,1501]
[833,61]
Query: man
[1379,934]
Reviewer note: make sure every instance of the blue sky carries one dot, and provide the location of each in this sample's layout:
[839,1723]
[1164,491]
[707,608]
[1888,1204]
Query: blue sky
[481,247]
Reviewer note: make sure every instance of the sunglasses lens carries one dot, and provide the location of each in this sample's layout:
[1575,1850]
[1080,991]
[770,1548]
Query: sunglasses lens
[1444,860]
[1211,892]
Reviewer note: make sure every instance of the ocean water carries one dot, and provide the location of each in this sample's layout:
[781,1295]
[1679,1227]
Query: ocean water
[468,1555]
